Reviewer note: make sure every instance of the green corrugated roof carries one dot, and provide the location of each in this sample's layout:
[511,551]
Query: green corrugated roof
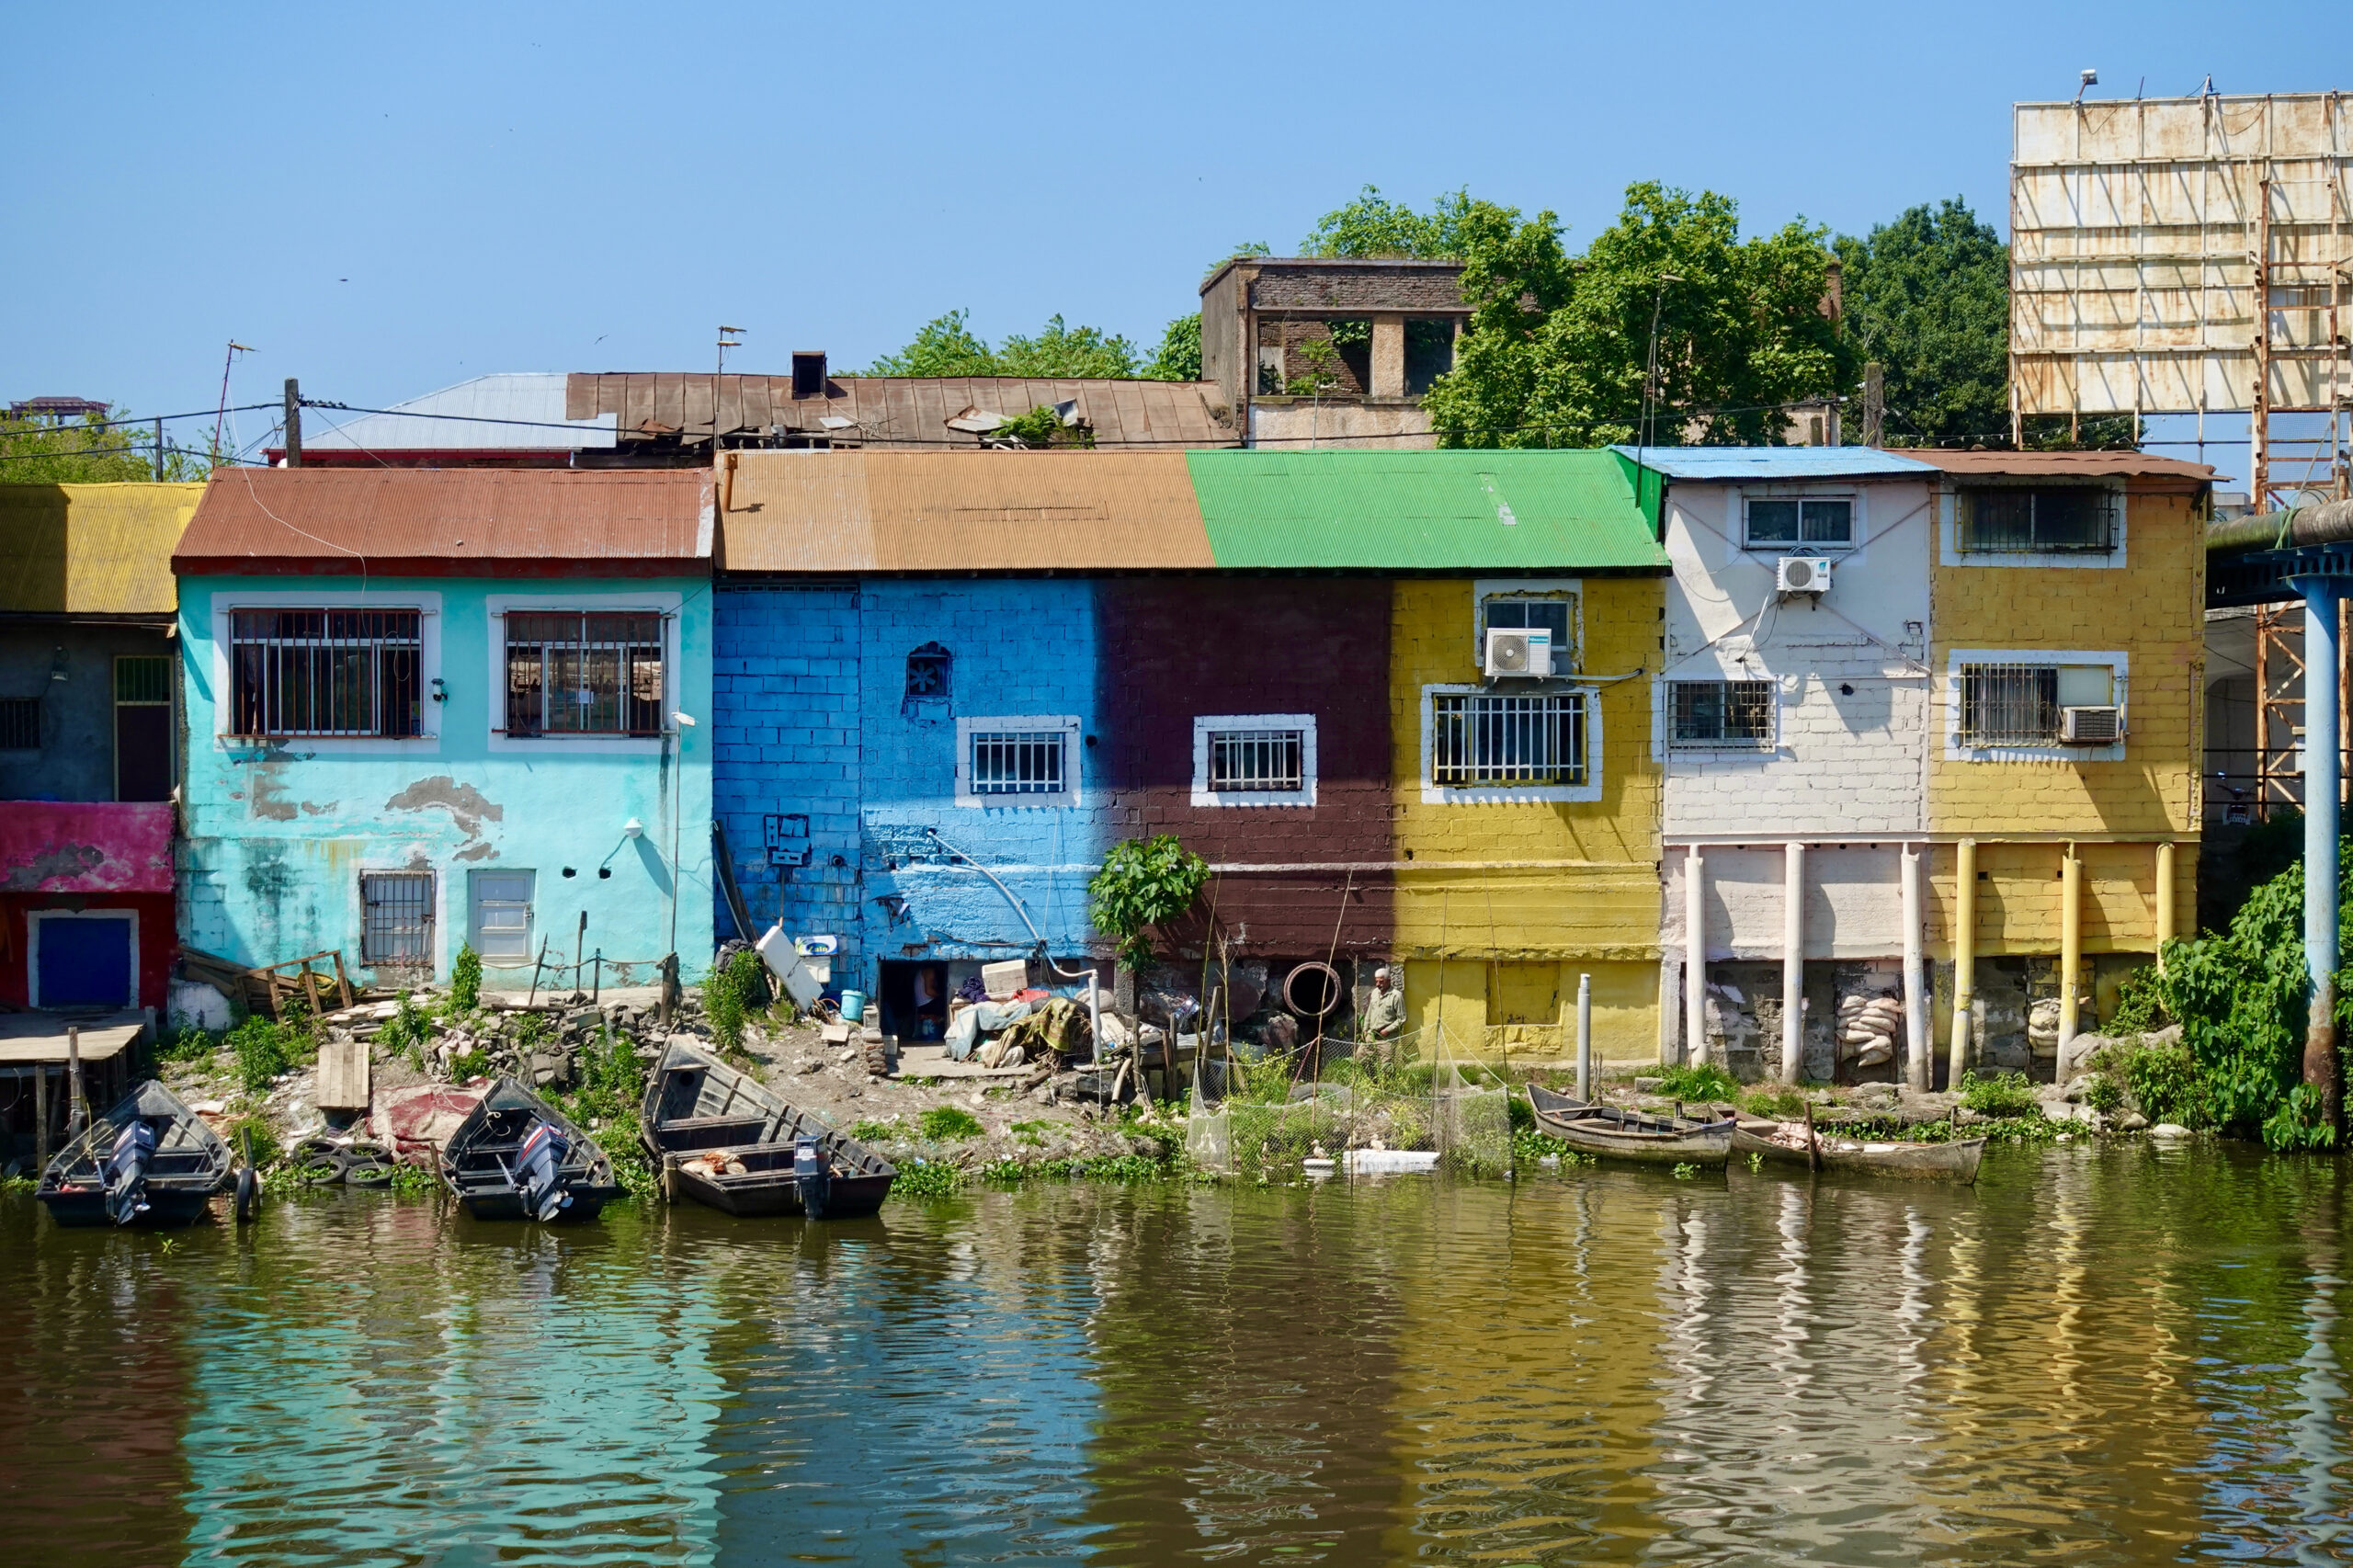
[1424,511]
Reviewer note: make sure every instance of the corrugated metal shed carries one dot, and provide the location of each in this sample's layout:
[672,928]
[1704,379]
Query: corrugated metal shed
[961,511]
[452,522]
[1768,464]
[2084,465]
[453,419]
[894,411]
[99,550]
[1521,511]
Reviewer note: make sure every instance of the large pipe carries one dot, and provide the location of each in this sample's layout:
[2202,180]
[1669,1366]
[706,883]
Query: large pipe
[2070,948]
[1695,961]
[2322,786]
[1792,961]
[1917,1030]
[2331,522]
[1964,955]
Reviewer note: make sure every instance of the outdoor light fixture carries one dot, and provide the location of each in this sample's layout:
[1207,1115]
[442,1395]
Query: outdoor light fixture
[682,718]
[633,829]
[440,690]
[2087,77]
[58,665]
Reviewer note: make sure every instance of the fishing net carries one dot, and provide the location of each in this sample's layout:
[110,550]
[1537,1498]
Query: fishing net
[1414,1095]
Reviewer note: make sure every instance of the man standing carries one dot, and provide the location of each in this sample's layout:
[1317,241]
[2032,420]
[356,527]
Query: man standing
[1384,1014]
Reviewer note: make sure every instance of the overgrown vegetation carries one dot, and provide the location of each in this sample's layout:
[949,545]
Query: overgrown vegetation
[250,1138]
[465,982]
[186,1042]
[1042,427]
[947,1123]
[926,1180]
[736,992]
[407,1032]
[1998,1094]
[947,346]
[1706,1082]
[265,1048]
[1145,882]
[1779,1103]
[611,1083]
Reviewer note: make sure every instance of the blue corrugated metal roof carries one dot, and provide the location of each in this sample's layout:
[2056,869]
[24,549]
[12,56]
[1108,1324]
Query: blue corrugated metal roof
[1775,462]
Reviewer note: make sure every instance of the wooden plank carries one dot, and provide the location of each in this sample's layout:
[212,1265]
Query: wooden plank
[343,1076]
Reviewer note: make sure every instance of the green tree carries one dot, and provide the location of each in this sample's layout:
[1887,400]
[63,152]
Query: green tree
[947,346]
[1928,298]
[1556,350]
[93,451]
[1179,358]
[1372,225]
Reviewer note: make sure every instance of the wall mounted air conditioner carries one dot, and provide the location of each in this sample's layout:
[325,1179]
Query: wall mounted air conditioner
[1517,651]
[2090,726]
[1801,574]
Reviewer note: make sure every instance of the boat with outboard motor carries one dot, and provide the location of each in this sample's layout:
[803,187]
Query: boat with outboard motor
[516,1157]
[727,1139]
[149,1161]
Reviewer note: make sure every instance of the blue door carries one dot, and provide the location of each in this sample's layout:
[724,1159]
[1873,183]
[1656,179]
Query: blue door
[84,960]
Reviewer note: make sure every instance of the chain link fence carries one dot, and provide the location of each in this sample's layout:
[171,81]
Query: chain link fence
[1271,1117]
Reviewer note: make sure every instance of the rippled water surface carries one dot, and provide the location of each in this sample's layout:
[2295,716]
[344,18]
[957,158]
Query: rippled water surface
[2120,1355]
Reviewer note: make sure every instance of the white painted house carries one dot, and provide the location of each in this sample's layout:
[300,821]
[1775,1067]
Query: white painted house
[1791,724]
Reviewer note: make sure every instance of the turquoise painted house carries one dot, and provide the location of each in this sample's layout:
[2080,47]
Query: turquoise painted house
[429,708]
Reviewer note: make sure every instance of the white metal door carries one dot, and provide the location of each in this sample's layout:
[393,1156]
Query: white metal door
[502,917]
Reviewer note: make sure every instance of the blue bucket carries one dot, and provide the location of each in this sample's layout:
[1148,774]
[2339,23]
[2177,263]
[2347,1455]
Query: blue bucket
[853,1007]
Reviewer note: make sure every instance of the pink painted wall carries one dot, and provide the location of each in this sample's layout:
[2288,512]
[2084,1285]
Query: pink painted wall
[85,847]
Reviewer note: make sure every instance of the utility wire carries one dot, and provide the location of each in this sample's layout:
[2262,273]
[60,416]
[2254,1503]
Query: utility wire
[36,429]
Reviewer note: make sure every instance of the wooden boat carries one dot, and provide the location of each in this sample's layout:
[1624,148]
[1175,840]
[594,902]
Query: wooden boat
[516,1157]
[1614,1132]
[1956,1161]
[149,1161]
[725,1140]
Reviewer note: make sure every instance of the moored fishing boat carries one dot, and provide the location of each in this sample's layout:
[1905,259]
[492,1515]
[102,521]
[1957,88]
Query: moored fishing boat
[1614,1132]
[1784,1142]
[727,1139]
[516,1157]
[149,1161]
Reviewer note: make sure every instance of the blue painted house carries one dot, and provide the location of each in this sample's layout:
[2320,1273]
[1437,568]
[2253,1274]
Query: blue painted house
[433,707]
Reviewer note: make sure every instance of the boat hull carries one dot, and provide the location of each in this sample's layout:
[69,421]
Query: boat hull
[1628,1137]
[477,1159]
[763,1195]
[587,1203]
[167,1209]
[1956,1161]
[698,1107]
[188,1165]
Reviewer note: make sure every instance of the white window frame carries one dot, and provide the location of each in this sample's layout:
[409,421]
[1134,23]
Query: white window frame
[2118,666]
[1950,552]
[1209,725]
[36,918]
[1539,588]
[1737,524]
[1072,793]
[496,608]
[1437,794]
[227,601]
[1765,746]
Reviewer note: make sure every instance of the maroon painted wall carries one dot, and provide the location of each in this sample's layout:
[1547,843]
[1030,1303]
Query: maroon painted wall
[1171,647]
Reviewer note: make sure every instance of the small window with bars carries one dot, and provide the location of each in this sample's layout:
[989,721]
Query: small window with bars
[2026,705]
[142,680]
[1789,522]
[396,919]
[1253,759]
[1481,740]
[1002,762]
[576,673]
[326,672]
[19,723]
[1721,714]
[2077,520]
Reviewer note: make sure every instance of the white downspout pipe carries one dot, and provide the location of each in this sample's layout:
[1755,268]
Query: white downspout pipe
[1695,959]
[1792,961]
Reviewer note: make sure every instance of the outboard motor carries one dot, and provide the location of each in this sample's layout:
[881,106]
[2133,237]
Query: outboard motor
[125,1171]
[814,1174]
[538,1172]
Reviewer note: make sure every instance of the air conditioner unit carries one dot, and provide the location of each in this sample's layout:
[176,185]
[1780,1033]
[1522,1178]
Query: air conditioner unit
[2090,726]
[1801,574]
[1518,651]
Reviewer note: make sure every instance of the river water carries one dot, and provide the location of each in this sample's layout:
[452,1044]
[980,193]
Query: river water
[2119,1353]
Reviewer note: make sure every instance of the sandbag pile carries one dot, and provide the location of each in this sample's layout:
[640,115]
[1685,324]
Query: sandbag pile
[1868,1027]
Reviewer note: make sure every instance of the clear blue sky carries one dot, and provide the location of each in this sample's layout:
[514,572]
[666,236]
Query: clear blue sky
[385,200]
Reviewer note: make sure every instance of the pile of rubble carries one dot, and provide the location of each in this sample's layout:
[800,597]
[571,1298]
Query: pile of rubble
[537,1044]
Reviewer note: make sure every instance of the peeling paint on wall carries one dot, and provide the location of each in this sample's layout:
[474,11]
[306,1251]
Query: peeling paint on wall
[465,804]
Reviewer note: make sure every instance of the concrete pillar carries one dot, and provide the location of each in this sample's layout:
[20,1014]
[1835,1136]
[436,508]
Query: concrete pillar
[2323,787]
[1585,1037]
[2070,948]
[1964,954]
[1792,961]
[1917,1030]
[1695,959]
[1388,356]
[2164,899]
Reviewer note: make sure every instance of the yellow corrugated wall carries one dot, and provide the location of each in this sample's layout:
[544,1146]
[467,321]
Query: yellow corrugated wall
[92,549]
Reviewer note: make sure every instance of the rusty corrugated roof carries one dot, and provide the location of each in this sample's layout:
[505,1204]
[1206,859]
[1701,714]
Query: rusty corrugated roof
[894,411]
[92,549]
[961,511]
[452,522]
[2083,465]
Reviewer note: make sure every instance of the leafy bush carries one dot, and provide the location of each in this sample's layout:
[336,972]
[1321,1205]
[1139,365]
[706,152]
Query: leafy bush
[2298,1123]
[734,992]
[263,1051]
[2103,1094]
[2140,1004]
[1704,1082]
[465,981]
[252,1132]
[946,1123]
[928,1180]
[533,1030]
[408,1031]
[1781,1105]
[1998,1094]
[1145,882]
[2163,1080]
[186,1042]
[471,1062]
[876,1131]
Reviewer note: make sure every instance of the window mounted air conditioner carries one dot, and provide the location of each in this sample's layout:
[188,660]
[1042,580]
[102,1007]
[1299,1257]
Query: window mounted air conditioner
[2090,726]
[1801,574]
[1520,651]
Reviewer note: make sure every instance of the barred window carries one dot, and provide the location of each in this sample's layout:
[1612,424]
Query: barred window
[2027,522]
[2009,705]
[576,673]
[325,672]
[1017,762]
[1797,520]
[1258,761]
[19,723]
[1721,713]
[1480,739]
[396,918]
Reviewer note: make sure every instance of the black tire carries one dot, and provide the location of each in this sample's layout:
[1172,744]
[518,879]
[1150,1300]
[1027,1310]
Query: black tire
[321,1167]
[368,1165]
[246,1205]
